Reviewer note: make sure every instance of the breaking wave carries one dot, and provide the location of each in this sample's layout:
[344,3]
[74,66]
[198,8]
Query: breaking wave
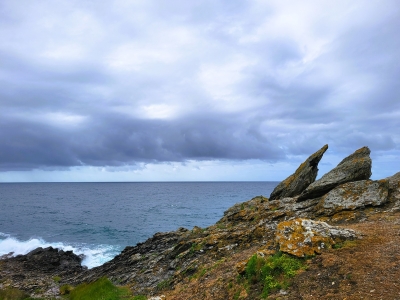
[94,255]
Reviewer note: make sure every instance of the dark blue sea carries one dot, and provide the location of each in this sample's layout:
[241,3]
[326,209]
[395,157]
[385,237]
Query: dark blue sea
[100,219]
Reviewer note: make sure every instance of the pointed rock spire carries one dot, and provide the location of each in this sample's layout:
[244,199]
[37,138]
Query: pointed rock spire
[355,167]
[301,179]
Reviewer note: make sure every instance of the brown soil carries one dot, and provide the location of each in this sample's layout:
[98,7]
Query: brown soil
[368,268]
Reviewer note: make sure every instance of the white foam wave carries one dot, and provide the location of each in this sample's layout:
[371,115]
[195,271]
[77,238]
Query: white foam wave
[94,255]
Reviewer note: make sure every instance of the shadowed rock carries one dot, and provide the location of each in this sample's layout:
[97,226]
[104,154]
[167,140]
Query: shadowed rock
[301,179]
[394,190]
[355,167]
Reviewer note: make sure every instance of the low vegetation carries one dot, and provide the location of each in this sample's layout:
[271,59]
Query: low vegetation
[101,289]
[272,272]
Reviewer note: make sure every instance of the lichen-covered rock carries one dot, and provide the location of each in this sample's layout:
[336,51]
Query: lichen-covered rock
[303,237]
[301,179]
[353,195]
[355,167]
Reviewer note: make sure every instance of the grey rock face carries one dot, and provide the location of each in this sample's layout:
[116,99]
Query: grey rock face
[353,195]
[301,179]
[355,167]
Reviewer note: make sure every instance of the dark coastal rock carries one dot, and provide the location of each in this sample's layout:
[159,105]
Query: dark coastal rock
[36,270]
[355,167]
[354,195]
[301,179]
[46,261]
[49,260]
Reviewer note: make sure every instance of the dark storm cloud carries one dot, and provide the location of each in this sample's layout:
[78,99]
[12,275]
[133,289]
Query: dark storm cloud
[132,82]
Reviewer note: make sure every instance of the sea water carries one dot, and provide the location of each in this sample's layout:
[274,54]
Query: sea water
[99,219]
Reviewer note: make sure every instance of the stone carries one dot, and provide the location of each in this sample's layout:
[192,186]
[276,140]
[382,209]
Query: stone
[304,237]
[394,191]
[394,187]
[353,195]
[301,179]
[49,260]
[356,166]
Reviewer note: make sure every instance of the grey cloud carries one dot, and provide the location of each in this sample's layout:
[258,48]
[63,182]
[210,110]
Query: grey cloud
[291,106]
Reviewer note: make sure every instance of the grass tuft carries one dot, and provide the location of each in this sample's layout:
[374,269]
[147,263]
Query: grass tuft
[272,272]
[100,289]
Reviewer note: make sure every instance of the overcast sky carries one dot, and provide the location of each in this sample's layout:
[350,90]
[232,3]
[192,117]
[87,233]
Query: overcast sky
[195,90]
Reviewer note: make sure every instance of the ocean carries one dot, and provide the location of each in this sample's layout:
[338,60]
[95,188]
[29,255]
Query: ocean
[99,219]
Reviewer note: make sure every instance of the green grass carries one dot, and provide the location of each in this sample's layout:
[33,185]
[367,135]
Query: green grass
[101,289]
[139,297]
[273,272]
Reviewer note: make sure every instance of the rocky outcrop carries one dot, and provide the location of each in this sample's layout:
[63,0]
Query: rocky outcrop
[301,179]
[353,195]
[36,270]
[49,260]
[304,237]
[136,265]
[355,167]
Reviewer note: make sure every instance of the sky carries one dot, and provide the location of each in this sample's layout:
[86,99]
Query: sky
[206,90]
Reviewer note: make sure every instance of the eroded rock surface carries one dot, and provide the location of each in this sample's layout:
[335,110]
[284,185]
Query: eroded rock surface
[353,195]
[301,179]
[304,237]
[355,167]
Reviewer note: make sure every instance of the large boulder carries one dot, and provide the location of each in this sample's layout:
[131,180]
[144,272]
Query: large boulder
[304,237]
[353,195]
[355,167]
[301,179]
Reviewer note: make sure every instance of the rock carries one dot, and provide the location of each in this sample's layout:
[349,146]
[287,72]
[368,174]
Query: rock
[301,179]
[241,266]
[303,237]
[35,271]
[394,191]
[46,261]
[50,260]
[355,167]
[353,195]
[394,187]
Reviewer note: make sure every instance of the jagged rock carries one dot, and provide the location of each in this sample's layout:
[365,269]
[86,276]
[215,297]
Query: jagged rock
[36,270]
[47,260]
[303,237]
[135,264]
[353,195]
[355,167]
[301,179]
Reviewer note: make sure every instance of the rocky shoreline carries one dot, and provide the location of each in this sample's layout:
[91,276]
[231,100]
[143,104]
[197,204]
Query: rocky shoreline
[303,217]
